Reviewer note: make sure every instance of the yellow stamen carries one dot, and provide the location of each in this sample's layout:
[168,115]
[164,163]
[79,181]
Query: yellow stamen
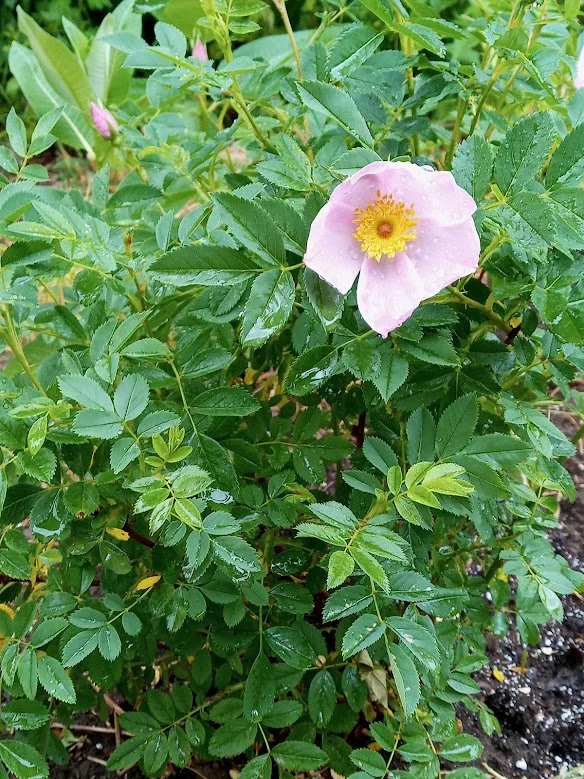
[385,227]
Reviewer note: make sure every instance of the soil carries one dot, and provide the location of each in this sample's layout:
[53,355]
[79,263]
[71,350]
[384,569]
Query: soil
[539,700]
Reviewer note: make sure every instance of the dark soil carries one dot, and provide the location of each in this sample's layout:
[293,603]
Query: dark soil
[540,702]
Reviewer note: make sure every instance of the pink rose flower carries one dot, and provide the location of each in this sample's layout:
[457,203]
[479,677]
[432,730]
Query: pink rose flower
[200,51]
[103,120]
[579,77]
[407,231]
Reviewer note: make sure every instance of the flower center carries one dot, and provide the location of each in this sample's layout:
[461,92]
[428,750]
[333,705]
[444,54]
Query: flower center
[385,227]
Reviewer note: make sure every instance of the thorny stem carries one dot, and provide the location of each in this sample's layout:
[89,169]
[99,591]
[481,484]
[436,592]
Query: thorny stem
[460,297]
[283,11]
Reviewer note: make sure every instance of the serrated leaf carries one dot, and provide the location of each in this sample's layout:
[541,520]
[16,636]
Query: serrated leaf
[310,370]
[268,307]
[55,681]
[252,226]
[208,266]
[523,151]
[260,689]
[23,760]
[456,426]
[363,632]
[338,105]
[79,647]
[131,396]
[85,391]
[109,645]
[340,567]
[225,402]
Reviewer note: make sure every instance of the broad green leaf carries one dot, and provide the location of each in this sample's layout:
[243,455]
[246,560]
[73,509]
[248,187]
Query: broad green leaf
[379,453]
[406,679]
[473,166]
[233,738]
[311,369]
[417,640]
[322,697]
[338,105]
[97,424]
[24,715]
[235,556]
[346,601]
[123,452]
[523,151]
[16,133]
[260,689]
[291,646]
[60,66]
[566,165]
[392,372]
[109,645]
[23,760]
[326,301]
[131,396]
[369,761]
[225,402]
[207,266]
[461,748]
[55,681]
[299,756]
[252,226]
[456,426]
[351,49]
[363,632]
[340,567]
[78,647]
[86,391]
[268,307]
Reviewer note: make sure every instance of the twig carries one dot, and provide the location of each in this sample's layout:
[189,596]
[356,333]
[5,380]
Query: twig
[492,772]
[97,760]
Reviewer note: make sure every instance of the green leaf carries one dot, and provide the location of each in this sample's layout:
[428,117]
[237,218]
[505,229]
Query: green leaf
[461,748]
[258,768]
[225,402]
[473,166]
[131,396]
[291,646]
[42,466]
[523,151]
[36,435]
[310,370]
[369,761]
[233,738]
[127,754]
[566,165]
[14,564]
[188,481]
[23,760]
[268,307]
[435,349]
[346,601]
[338,105]
[406,679]
[456,426]
[340,567]
[322,698]
[252,226]
[157,422]
[351,49]
[379,453]
[260,689]
[47,630]
[24,715]
[27,671]
[82,498]
[236,556]
[79,647]
[363,632]
[123,452]
[85,391]
[393,371]
[326,301]
[417,640]
[503,449]
[16,133]
[87,618]
[207,266]
[55,681]
[290,168]
[97,424]
[146,349]
[299,756]
[109,645]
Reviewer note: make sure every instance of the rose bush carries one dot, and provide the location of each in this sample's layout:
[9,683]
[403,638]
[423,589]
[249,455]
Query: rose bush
[272,516]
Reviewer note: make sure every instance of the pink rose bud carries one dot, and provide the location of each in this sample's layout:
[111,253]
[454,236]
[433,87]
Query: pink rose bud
[405,231]
[103,120]
[579,77]
[200,51]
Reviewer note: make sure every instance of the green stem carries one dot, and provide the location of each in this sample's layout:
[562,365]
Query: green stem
[460,297]
[13,341]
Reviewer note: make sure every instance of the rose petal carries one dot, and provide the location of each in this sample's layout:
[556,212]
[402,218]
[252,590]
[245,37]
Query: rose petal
[332,252]
[388,292]
[433,194]
[442,255]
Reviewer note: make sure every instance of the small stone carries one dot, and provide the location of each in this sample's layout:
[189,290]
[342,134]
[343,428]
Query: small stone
[546,650]
[521,764]
[524,690]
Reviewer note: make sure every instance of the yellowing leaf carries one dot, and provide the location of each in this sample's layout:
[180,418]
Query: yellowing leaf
[149,581]
[499,675]
[6,608]
[116,532]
